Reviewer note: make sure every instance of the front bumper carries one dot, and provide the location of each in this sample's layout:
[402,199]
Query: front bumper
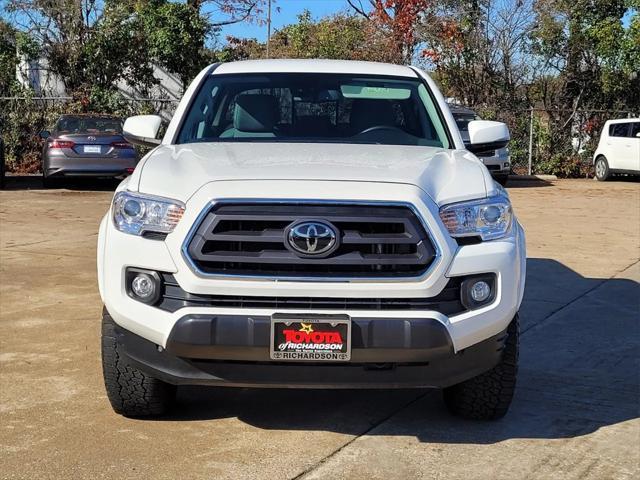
[500,172]
[505,258]
[499,165]
[233,351]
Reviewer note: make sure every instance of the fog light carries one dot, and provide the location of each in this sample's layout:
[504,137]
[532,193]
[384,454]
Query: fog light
[480,291]
[476,291]
[143,286]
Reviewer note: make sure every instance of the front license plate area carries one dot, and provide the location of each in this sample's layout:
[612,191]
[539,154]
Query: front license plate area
[312,339]
[92,149]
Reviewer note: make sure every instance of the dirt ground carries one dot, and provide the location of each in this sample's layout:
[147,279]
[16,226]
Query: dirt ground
[575,414]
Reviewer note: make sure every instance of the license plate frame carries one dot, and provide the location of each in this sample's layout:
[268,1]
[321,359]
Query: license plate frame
[92,149]
[302,332]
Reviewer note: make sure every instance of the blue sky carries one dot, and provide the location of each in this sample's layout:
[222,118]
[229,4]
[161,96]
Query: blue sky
[289,9]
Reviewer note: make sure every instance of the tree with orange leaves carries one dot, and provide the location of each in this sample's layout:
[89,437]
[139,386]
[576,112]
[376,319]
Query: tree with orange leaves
[399,19]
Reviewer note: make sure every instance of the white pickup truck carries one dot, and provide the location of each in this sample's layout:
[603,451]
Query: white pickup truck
[311,224]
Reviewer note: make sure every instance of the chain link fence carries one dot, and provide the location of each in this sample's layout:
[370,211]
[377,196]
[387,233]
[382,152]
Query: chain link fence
[558,142]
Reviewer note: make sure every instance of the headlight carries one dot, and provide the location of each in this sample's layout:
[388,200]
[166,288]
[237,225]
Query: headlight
[488,219]
[135,213]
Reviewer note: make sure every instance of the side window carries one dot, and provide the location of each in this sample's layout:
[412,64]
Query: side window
[430,119]
[635,129]
[618,130]
[201,116]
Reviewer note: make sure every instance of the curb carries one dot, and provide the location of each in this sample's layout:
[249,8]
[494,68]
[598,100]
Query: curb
[546,178]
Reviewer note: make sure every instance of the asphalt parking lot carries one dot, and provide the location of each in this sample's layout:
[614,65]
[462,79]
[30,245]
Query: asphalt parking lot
[575,414]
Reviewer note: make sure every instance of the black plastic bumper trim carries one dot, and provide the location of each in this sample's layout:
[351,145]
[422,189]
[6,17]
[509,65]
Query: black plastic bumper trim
[444,368]
[246,338]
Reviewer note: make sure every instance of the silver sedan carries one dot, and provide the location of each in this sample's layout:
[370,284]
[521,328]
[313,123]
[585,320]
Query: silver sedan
[86,146]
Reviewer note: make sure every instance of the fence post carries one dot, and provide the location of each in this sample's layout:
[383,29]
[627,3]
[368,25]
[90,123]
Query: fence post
[530,140]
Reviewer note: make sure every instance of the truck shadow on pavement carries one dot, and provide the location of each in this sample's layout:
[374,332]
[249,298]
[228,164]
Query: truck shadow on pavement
[578,373]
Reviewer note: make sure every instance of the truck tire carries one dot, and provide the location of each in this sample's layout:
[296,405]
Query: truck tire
[488,396]
[131,392]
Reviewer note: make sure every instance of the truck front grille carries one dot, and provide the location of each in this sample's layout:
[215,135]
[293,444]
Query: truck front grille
[486,153]
[249,240]
[447,302]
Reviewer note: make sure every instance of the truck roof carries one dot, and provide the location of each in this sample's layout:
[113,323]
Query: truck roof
[455,108]
[622,120]
[315,66]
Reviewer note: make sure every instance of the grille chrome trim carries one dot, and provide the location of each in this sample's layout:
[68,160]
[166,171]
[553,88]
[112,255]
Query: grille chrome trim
[437,255]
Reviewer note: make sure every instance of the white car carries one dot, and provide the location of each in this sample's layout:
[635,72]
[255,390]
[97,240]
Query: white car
[619,148]
[314,224]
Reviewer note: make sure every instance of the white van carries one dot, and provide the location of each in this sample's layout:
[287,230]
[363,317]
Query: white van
[619,148]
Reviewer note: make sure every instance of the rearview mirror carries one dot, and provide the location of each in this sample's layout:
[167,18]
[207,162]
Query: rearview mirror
[487,135]
[142,130]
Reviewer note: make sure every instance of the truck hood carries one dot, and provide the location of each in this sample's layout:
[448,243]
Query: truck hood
[178,171]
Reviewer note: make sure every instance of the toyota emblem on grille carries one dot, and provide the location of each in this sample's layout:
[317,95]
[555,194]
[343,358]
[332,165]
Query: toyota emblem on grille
[312,238]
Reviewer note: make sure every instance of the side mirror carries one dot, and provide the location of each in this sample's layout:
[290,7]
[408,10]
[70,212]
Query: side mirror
[638,135]
[44,134]
[142,130]
[487,135]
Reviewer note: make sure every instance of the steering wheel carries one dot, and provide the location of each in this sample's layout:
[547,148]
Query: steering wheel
[380,127]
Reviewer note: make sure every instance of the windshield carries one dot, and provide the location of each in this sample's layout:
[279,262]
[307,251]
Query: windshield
[71,125]
[314,108]
[462,120]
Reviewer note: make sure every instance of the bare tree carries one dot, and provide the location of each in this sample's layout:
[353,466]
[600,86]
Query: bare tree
[227,12]
[479,50]
[61,27]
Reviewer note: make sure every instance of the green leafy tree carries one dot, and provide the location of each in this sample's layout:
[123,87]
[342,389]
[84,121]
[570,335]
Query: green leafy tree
[117,50]
[8,58]
[586,47]
[13,45]
[237,49]
[175,36]
[587,60]
[90,43]
[339,36]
